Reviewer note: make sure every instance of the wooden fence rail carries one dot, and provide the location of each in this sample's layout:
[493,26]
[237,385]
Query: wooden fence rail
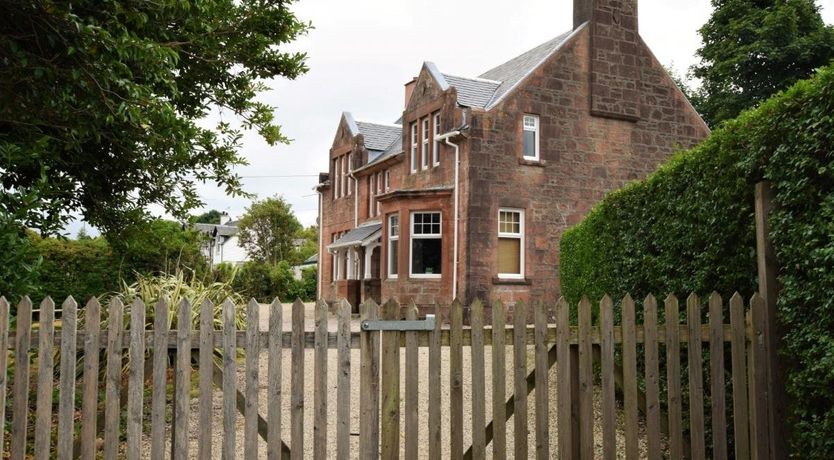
[641,354]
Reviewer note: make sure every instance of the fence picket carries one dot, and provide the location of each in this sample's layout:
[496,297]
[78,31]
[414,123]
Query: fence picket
[46,375]
[740,403]
[716,356]
[369,382]
[320,383]
[183,381]
[499,382]
[519,381]
[563,379]
[273,392]
[343,383]
[112,405]
[542,387]
[412,370]
[205,373]
[630,378]
[4,361]
[160,378]
[696,380]
[673,376]
[297,383]
[435,427]
[758,394]
[586,382]
[478,375]
[390,384]
[136,380]
[456,380]
[253,349]
[606,319]
[229,379]
[653,449]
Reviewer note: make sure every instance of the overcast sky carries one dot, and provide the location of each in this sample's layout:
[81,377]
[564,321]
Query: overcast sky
[361,52]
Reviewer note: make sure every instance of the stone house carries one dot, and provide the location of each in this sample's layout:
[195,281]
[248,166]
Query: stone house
[467,195]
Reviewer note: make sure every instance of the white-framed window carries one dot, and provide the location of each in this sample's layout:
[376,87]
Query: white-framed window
[414,147]
[511,243]
[425,148]
[531,137]
[387,180]
[335,259]
[393,245]
[344,173]
[435,152]
[378,190]
[336,178]
[371,188]
[349,171]
[426,253]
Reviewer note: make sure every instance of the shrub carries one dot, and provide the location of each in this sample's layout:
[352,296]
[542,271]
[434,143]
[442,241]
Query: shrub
[80,268]
[20,263]
[265,282]
[689,228]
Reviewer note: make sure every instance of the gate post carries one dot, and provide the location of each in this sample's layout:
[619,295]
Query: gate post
[768,290]
[369,386]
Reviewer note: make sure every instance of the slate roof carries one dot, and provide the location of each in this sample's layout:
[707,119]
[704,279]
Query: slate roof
[357,236]
[378,137]
[473,92]
[516,69]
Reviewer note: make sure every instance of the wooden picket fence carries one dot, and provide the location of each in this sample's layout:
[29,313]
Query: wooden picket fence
[574,348]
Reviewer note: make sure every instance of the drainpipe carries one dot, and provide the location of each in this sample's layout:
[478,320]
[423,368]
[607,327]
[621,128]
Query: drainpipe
[355,199]
[445,137]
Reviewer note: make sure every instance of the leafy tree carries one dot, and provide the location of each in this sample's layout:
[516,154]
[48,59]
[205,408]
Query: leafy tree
[268,229]
[160,246]
[309,243]
[209,217]
[100,102]
[755,48]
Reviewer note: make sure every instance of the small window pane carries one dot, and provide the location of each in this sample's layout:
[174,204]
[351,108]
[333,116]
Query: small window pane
[509,256]
[529,143]
[393,257]
[426,256]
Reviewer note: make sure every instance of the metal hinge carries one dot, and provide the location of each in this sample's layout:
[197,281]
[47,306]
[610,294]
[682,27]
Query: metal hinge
[399,325]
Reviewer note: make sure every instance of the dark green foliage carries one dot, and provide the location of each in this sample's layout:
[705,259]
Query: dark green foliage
[266,282]
[20,263]
[689,227]
[208,217]
[100,101]
[78,268]
[754,48]
[91,266]
[268,229]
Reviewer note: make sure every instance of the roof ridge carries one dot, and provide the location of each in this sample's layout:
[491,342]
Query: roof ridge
[388,125]
[485,80]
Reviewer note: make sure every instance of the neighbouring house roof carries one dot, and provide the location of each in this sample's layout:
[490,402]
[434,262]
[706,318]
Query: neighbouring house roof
[313,259]
[359,236]
[216,230]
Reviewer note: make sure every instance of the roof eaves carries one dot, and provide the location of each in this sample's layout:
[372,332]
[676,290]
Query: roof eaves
[518,83]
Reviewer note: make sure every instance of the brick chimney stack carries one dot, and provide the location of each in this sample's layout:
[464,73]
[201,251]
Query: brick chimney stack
[615,41]
[409,88]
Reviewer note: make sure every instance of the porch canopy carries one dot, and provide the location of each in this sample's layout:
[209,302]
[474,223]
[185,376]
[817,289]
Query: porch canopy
[365,235]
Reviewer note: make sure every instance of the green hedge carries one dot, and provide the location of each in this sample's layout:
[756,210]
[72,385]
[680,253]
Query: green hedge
[265,282]
[689,228]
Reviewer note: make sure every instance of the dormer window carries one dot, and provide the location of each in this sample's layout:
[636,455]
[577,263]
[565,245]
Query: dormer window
[531,137]
[425,149]
[414,147]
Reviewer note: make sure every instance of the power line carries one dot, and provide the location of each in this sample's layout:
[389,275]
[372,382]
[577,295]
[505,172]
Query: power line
[279,177]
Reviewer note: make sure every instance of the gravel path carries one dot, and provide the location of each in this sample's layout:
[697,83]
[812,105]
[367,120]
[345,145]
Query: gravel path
[423,397]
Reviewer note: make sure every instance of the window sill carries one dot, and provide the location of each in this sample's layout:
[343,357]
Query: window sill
[512,281]
[425,277]
[526,162]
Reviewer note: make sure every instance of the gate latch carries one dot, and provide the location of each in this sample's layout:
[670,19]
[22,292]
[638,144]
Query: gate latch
[399,325]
